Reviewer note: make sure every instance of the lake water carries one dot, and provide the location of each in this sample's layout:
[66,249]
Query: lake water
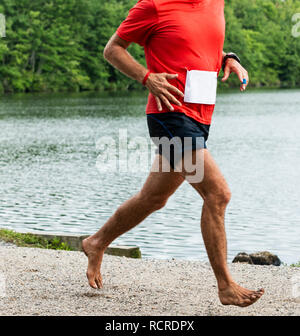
[49,179]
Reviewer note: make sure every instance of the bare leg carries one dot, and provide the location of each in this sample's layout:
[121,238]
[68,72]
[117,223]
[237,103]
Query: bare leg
[216,195]
[158,187]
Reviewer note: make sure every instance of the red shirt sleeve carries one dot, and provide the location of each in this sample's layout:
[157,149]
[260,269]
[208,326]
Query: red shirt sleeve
[140,23]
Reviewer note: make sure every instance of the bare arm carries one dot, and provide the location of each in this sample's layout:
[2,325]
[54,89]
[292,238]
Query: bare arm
[117,55]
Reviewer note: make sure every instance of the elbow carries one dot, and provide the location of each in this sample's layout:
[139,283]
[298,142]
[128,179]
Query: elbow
[113,47]
[108,52]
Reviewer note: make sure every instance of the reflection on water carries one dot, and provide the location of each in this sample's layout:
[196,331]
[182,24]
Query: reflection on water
[49,179]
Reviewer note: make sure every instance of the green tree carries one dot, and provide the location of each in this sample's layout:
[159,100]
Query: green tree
[58,45]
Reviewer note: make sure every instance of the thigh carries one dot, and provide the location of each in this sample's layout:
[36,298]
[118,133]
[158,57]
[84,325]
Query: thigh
[213,181]
[161,183]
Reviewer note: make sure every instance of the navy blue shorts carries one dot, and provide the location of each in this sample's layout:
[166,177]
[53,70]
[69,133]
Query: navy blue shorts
[187,133]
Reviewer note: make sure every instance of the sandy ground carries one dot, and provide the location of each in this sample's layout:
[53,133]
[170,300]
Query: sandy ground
[48,282]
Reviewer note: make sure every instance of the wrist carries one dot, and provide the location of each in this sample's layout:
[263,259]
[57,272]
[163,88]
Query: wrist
[229,56]
[146,77]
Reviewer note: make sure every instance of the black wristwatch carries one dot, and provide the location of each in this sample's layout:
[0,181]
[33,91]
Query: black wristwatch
[230,55]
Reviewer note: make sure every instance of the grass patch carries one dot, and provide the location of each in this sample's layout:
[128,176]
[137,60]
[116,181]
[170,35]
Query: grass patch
[296,265]
[30,240]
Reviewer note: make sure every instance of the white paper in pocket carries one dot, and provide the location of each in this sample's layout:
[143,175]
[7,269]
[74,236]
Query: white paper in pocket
[201,87]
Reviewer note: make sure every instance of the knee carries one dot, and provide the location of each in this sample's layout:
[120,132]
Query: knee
[219,198]
[153,202]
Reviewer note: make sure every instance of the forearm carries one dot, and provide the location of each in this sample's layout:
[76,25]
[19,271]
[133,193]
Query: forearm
[120,58]
[117,55]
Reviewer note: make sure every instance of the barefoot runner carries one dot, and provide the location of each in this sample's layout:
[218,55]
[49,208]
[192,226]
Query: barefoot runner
[183,41]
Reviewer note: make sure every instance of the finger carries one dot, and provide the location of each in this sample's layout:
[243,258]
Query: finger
[245,83]
[241,77]
[171,98]
[166,102]
[170,76]
[246,79]
[226,74]
[158,103]
[174,89]
[246,76]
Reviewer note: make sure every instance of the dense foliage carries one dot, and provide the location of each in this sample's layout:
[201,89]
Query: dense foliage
[58,44]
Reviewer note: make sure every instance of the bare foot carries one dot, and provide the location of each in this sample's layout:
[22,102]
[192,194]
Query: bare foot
[95,256]
[239,296]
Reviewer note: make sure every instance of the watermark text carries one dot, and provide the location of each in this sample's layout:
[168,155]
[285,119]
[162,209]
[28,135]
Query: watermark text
[2,26]
[296,27]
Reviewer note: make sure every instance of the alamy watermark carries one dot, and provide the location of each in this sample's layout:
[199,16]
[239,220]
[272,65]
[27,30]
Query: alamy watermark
[296,27]
[2,25]
[296,286]
[2,285]
[136,154]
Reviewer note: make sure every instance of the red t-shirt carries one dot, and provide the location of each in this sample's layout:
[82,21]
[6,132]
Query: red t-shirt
[178,35]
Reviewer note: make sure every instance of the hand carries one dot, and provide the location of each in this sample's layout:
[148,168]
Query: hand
[233,65]
[159,86]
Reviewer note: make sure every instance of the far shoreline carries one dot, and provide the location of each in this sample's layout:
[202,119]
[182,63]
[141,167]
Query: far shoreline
[142,91]
[72,242]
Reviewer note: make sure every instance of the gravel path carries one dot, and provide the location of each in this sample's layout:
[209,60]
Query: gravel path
[48,282]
